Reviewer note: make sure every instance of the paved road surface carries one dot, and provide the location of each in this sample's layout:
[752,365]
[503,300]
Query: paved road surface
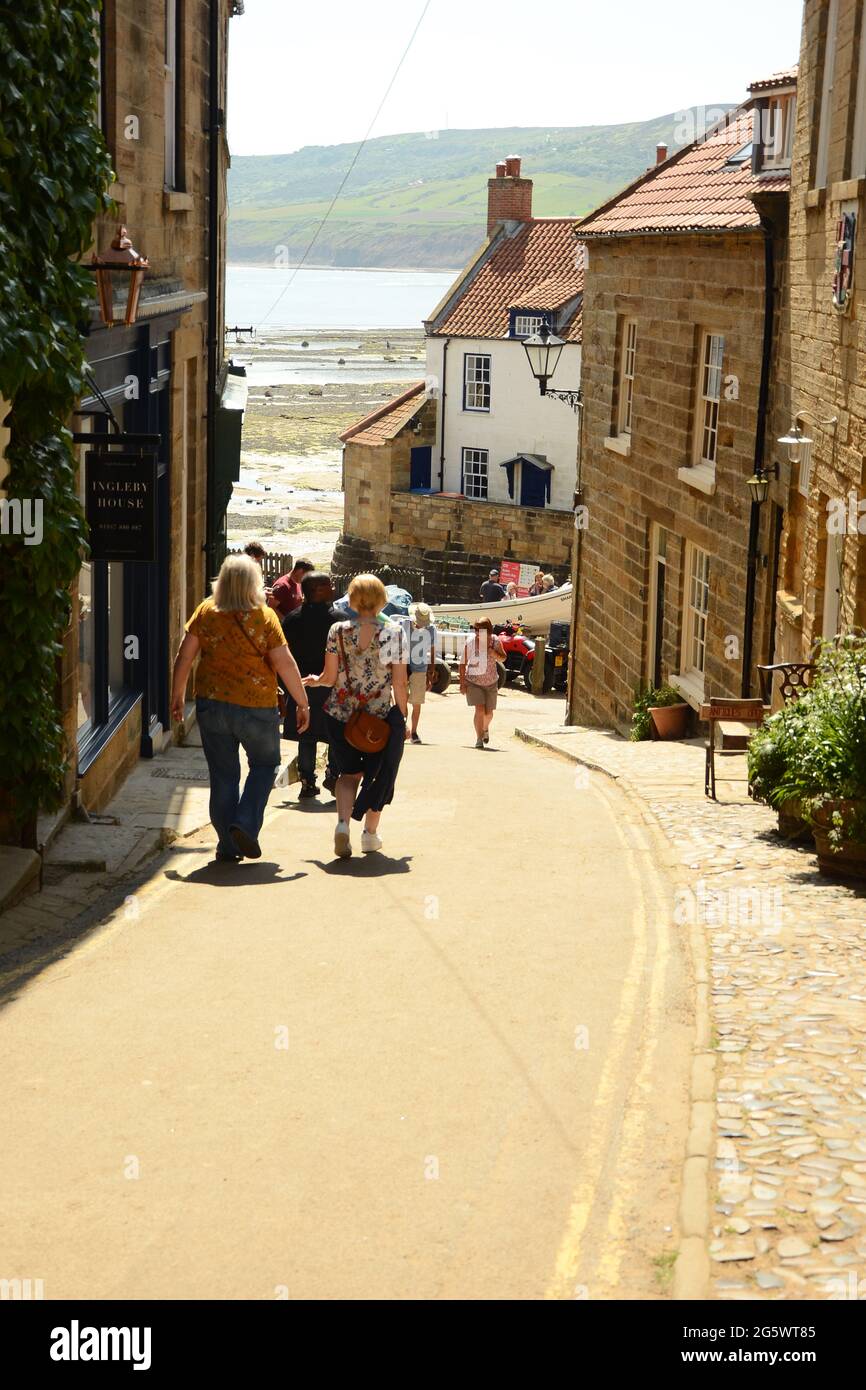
[453,1070]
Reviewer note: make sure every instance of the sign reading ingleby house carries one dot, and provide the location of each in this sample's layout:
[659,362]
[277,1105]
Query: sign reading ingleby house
[120,503]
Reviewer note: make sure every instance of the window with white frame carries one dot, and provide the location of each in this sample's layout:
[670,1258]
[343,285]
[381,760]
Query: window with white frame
[476,381]
[527,324]
[475,463]
[709,395]
[824,117]
[779,134]
[172,10]
[697,602]
[626,377]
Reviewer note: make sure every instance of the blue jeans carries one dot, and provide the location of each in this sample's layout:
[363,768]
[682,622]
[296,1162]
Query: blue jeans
[225,728]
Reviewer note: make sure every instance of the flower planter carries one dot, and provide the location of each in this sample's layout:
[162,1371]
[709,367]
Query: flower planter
[849,860]
[670,721]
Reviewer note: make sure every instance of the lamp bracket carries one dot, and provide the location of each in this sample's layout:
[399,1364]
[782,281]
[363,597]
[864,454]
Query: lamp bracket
[832,420]
[572,398]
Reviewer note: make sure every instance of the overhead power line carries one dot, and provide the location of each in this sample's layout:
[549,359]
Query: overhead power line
[345,179]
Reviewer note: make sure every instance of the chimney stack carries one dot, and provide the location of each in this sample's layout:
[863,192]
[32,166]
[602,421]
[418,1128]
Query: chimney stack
[661,152]
[509,197]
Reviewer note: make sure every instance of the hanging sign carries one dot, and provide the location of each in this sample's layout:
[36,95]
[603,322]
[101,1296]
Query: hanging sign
[843,270]
[120,503]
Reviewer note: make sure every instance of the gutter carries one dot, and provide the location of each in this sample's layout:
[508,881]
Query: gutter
[760,442]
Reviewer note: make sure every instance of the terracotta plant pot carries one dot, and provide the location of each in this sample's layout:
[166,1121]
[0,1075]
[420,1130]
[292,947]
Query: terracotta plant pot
[670,721]
[849,860]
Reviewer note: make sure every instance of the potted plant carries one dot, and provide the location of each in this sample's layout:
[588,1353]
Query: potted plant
[825,765]
[768,755]
[660,713]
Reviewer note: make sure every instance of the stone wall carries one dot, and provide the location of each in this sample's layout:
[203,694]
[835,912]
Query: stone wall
[828,348]
[456,542]
[674,287]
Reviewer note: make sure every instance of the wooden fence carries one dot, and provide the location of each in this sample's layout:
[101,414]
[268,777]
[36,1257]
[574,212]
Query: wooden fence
[274,565]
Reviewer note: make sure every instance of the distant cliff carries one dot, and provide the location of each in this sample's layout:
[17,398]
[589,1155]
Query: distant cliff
[420,200]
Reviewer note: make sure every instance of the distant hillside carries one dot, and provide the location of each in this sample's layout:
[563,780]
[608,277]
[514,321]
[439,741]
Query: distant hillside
[421,200]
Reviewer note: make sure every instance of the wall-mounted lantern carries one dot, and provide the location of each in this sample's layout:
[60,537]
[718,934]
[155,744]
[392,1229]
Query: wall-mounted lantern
[796,440]
[543,350]
[121,259]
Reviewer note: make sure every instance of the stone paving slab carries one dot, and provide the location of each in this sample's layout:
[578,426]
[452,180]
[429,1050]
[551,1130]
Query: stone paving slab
[787,953]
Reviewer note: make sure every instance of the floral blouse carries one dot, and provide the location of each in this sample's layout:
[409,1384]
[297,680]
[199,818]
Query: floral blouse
[369,672]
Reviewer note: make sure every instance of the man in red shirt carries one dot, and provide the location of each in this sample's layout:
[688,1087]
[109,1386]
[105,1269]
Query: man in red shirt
[287,595]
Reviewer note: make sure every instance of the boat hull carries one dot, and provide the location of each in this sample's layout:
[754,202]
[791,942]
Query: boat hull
[533,614]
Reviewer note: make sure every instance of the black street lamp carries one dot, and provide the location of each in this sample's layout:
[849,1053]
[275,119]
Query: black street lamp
[759,483]
[543,350]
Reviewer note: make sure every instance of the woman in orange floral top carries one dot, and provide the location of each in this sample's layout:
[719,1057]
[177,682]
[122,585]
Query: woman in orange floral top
[241,648]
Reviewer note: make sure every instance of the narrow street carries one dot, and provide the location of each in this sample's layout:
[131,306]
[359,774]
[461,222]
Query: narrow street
[454,1070]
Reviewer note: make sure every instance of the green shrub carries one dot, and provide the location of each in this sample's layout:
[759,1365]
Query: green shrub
[814,750]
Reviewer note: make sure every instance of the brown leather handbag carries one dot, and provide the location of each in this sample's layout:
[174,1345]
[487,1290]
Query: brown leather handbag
[366,732]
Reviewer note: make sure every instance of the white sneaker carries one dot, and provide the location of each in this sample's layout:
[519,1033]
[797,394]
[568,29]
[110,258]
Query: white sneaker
[342,843]
[370,841]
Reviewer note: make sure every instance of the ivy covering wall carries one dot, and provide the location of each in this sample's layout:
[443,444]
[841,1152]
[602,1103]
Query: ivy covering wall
[54,172]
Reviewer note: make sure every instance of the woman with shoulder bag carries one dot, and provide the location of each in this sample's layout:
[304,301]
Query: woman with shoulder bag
[242,650]
[365,729]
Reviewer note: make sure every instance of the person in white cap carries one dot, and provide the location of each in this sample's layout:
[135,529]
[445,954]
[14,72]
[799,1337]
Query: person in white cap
[421,638]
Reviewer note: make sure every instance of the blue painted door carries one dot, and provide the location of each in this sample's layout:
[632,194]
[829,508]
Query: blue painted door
[533,485]
[419,467]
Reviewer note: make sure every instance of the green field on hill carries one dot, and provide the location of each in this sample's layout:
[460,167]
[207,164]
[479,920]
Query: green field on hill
[420,200]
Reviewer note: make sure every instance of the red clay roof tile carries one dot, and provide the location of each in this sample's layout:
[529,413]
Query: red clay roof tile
[387,420]
[532,268]
[696,189]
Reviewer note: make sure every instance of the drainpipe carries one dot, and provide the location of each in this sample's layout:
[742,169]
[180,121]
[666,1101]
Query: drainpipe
[576,556]
[442,407]
[760,438]
[216,119]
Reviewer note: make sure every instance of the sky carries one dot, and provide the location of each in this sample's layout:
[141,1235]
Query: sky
[314,74]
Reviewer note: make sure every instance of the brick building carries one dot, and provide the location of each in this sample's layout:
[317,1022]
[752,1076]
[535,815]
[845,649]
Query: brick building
[683,369]
[822,583]
[163,81]
[482,467]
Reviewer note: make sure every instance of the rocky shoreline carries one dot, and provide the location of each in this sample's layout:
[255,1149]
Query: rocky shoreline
[304,390]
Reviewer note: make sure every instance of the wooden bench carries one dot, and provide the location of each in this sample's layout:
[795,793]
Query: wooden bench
[734,722]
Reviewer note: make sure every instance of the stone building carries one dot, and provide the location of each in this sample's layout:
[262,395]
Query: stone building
[822,578]
[683,368]
[163,83]
[482,467]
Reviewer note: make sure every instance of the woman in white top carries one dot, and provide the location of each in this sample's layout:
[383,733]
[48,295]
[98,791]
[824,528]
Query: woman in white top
[373,681]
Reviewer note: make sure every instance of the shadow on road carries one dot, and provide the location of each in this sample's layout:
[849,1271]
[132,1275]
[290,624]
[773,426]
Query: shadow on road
[235,875]
[365,866]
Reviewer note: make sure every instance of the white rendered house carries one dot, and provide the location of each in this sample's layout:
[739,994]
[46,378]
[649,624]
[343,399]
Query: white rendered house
[498,439]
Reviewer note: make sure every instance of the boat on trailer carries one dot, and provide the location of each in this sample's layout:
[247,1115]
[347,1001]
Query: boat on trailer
[534,614]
